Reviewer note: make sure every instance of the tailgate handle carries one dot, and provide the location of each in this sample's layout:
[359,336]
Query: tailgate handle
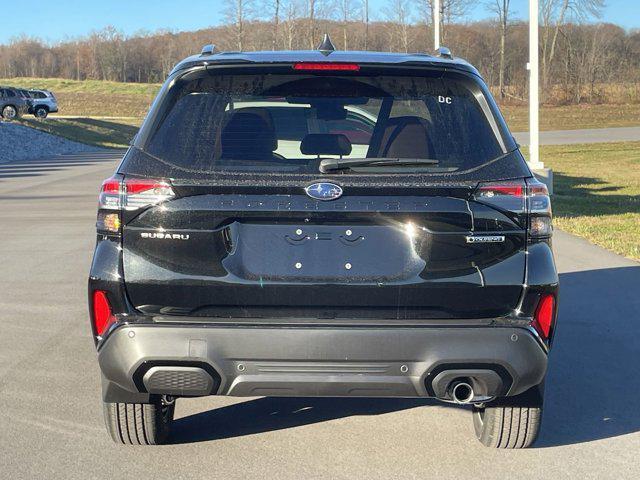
[351,241]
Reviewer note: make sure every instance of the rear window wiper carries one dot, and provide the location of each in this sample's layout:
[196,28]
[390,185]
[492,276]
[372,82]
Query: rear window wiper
[334,164]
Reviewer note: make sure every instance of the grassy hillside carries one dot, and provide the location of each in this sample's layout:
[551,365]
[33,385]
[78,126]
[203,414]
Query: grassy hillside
[123,104]
[94,97]
[108,132]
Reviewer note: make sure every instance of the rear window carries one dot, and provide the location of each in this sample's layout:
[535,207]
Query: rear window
[288,123]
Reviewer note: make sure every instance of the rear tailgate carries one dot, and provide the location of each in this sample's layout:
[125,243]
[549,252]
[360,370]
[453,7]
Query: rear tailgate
[275,255]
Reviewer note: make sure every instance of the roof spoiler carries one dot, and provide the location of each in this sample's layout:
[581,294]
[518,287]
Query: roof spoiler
[209,49]
[444,52]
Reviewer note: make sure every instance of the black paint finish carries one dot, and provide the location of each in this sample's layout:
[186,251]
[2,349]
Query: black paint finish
[403,277]
[255,256]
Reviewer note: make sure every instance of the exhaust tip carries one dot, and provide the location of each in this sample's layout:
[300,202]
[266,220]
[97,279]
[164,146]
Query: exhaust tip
[462,392]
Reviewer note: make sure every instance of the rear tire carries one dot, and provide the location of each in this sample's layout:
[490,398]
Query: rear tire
[139,423]
[41,112]
[9,113]
[513,423]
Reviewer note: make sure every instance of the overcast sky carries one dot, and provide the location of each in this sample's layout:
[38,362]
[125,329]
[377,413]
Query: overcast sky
[55,20]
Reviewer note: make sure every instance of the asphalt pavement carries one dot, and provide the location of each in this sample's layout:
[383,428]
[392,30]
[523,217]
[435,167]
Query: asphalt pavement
[596,135]
[50,409]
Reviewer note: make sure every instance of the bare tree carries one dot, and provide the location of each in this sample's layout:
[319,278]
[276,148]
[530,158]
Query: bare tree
[554,14]
[292,12]
[312,23]
[317,10]
[365,18]
[426,14]
[237,14]
[587,57]
[501,9]
[399,11]
[347,10]
[450,11]
[275,5]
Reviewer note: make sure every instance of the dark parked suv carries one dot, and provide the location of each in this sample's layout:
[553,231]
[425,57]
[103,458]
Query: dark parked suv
[400,248]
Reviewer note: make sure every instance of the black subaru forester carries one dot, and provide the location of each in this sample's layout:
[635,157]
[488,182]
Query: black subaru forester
[324,223]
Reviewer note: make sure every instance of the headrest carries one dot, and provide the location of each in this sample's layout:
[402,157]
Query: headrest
[325,144]
[262,112]
[248,133]
[407,137]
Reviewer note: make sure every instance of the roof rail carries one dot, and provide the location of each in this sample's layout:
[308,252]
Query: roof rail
[326,47]
[209,49]
[444,52]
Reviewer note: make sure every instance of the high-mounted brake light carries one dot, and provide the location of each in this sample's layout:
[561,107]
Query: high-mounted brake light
[544,316]
[327,66]
[103,318]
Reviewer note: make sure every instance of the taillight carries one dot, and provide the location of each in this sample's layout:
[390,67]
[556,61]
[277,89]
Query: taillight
[544,317]
[503,195]
[129,194]
[140,193]
[519,197]
[109,206]
[327,66]
[110,192]
[497,189]
[103,318]
[539,208]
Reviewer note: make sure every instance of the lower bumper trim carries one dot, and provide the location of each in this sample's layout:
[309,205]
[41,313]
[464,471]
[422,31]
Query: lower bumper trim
[331,361]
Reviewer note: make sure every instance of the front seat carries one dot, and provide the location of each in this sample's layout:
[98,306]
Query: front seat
[248,135]
[406,137]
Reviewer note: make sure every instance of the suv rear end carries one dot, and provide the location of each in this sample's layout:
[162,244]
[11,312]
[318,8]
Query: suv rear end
[43,103]
[402,252]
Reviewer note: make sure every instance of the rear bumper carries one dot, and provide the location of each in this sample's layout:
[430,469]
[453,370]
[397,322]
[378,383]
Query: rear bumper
[193,360]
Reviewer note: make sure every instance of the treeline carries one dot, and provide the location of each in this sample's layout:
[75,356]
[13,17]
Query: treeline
[580,60]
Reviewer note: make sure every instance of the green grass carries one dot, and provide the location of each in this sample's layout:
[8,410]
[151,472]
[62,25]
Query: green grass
[84,86]
[89,98]
[597,193]
[108,133]
[574,117]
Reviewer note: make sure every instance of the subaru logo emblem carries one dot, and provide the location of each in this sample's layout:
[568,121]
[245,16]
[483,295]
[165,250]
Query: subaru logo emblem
[324,191]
